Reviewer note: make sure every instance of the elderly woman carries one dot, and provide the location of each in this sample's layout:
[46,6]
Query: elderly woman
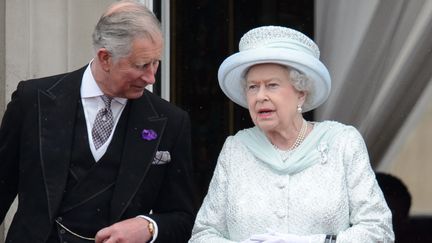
[288,179]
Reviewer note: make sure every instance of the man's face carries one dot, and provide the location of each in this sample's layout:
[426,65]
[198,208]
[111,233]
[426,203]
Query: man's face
[128,76]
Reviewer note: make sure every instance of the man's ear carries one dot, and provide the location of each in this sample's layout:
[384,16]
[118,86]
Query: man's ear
[105,59]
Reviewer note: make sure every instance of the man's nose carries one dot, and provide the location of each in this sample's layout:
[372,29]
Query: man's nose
[149,74]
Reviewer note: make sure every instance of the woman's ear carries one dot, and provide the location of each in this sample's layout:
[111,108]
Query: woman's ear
[302,97]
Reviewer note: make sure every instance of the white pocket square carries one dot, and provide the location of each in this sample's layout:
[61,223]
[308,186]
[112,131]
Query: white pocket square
[161,158]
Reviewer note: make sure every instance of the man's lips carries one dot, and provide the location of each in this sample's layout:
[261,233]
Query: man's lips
[138,86]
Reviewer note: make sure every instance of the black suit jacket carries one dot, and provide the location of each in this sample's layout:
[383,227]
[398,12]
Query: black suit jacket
[35,147]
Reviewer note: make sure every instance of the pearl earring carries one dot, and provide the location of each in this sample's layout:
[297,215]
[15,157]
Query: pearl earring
[299,109]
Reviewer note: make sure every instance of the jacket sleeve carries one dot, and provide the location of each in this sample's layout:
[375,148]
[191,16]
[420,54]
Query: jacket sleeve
[9,152]
[370,216]
[210,224]
[175,210]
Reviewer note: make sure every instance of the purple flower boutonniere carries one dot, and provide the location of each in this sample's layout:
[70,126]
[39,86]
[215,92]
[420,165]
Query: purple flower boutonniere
[148,134]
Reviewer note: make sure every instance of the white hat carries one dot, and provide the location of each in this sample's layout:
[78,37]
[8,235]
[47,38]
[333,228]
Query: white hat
[281,45]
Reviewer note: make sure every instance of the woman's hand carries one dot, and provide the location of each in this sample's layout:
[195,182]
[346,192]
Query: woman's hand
[274,237]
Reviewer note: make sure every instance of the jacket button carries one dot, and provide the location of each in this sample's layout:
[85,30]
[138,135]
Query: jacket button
[280,214]
[281,185]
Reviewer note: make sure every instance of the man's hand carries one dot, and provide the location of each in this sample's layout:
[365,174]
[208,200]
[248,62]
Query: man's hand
[132,230]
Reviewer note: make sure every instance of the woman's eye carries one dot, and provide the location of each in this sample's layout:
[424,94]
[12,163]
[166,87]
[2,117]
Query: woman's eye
[252,87]
[273,85]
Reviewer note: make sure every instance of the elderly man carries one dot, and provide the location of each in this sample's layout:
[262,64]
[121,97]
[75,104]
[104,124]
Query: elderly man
[91,154]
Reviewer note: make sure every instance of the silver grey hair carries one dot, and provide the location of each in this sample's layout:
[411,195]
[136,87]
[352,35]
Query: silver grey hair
[116,29]
[298,80]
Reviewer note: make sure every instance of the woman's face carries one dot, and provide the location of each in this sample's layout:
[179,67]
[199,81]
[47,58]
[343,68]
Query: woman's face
[272,100]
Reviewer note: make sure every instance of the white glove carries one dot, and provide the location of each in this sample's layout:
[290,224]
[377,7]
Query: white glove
[250,241]
[275,237]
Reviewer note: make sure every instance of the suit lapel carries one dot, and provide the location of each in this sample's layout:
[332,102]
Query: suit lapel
[138,153]
[57,107]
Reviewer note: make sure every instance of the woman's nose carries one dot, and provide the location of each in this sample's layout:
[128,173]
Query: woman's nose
[261,94]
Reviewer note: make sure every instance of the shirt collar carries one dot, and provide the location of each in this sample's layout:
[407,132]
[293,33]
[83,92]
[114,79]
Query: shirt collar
[89,87]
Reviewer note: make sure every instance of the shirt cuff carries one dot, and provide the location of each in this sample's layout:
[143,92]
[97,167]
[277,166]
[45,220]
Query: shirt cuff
[155,234]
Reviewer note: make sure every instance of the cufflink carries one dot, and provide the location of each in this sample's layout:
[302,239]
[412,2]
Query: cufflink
[150,228]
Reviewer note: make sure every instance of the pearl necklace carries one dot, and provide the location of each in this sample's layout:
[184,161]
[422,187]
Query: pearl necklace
[285,154]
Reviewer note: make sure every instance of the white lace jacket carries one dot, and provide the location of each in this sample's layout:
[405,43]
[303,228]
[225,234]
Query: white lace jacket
[337,195]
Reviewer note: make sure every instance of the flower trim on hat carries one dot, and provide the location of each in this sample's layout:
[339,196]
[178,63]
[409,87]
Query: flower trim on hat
[262,36]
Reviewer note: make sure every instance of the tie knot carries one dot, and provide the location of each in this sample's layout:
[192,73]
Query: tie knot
[107,100]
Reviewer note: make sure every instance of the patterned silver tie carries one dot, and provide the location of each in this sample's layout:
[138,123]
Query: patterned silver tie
[103,123]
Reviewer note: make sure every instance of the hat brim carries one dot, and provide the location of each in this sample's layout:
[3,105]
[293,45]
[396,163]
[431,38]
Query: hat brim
[232,70]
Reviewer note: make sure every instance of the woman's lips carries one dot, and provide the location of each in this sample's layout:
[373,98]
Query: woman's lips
[265,113]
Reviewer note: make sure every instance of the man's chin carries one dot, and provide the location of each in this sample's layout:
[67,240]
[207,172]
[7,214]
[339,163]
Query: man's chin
[134,95]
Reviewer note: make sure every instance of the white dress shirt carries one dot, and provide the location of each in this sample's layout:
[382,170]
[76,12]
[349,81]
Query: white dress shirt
[92,103]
